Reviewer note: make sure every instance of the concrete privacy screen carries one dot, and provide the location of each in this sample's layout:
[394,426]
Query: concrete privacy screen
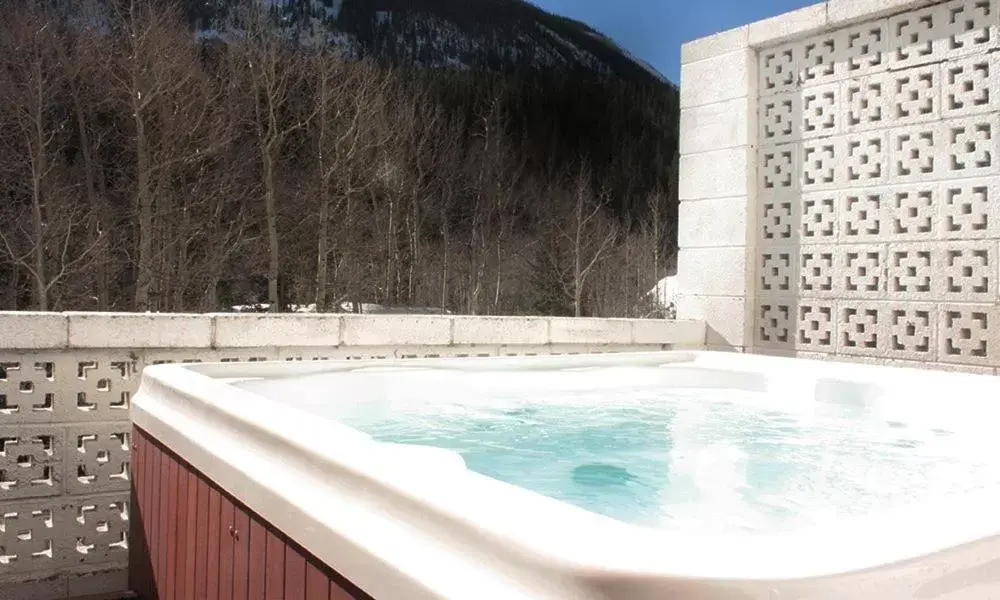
[858,212]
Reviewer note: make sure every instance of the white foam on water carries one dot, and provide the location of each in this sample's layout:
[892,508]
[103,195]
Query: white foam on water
[627,443]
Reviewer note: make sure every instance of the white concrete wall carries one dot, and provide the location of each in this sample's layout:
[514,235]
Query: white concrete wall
[840,183]
[66,381]
[718,95]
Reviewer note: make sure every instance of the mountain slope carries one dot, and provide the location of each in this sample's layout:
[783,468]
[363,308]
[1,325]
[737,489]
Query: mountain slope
[498,35]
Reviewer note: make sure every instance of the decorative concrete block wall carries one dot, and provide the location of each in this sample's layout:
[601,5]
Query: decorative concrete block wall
[841,183]
[66,381]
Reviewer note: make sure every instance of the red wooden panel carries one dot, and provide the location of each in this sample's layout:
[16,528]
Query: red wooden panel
[258,560]
[295,574]
[317,582]
[162,540]
[201,547]
[274,567]
[180,504]
[156,545]
[139,552]
[170,587]
[135,538]
[148,516]
[339,593]
[241,555]
[193,542]
[191,539]
[213,543]
[227,531]
[147,486]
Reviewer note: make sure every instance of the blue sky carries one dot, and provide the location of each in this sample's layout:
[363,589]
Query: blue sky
[655,29]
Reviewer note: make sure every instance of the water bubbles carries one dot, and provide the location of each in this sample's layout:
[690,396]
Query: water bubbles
[648,453]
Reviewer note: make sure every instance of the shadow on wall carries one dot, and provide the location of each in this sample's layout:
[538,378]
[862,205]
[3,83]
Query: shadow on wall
[877,226]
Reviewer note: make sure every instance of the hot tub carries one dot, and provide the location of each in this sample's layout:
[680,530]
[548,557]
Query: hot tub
[734,476]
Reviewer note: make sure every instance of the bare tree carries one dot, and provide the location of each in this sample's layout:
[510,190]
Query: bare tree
[588,233]
[496,172]
[446,190]
[33,93]
[87,61]
[661,208]
[274,73]
[145,167]
[349,104]
[64,255]
[424,142]
[171,104]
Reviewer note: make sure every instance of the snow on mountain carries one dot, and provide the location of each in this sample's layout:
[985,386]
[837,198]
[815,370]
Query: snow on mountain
[642,63]
[502,35]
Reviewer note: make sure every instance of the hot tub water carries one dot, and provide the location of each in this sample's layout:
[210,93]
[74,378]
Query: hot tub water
[627,443]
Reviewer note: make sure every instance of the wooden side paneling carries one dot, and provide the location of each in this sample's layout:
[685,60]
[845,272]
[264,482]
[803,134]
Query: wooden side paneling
[170,531]
[258,559]
[180,551]
[201,543]
[317,584]
[274,568]
[295,575]
[212,568]
[192,541]
[227,531]
[190,526]
[241,555]
[156,543]
[139,576]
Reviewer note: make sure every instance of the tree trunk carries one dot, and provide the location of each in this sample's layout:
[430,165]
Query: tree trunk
[656,247]
[164,282]
[397,265]
[445,266]
[577,260]
[390,237]
[270,207]
[210,301]
[414,247]
[41,293]
[144,200]
[182,264]
[14,287]
[496,293]
[322,251]
[38,169]
[323,179]
[102,287]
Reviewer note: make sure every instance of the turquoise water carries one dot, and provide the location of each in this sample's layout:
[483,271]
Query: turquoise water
[650,454]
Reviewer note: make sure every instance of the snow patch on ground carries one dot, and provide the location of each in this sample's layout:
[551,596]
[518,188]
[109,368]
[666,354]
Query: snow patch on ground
[367,308]
[665,294]
[265,306]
